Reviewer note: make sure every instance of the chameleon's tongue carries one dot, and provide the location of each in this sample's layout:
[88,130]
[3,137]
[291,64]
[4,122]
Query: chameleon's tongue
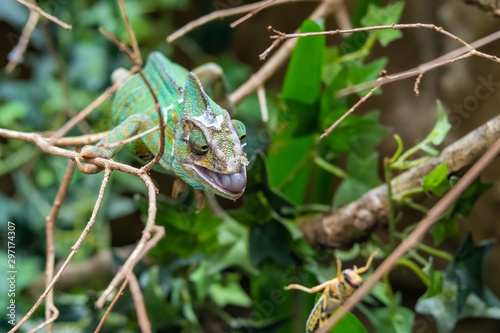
[234,182]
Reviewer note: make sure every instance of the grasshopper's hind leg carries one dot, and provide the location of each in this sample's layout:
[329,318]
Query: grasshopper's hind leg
[131,126]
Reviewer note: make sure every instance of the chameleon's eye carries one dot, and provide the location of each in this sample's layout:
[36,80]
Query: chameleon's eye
[240,129]
[198,142]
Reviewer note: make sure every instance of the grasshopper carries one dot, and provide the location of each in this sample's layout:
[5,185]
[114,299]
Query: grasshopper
[335,292]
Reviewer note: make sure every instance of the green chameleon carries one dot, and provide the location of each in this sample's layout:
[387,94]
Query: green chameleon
[203,145]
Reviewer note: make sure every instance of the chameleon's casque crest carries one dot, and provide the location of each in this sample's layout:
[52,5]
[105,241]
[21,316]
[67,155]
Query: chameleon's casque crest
[203,144]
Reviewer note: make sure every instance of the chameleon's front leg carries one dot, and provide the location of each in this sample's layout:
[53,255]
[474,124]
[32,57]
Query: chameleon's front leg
[130,127]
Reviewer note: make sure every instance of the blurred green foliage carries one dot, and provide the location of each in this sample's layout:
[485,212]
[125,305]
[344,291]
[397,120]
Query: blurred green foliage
[215,273]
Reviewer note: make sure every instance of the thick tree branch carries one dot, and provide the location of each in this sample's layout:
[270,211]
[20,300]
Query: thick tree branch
[420,231]
[355,222]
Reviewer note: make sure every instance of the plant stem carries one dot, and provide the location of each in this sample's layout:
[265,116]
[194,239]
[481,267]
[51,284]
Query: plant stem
[411,265]
[421,260]
[414,205]
[323,164]
[390,213]
[435,252]
[410,191]
[390,293]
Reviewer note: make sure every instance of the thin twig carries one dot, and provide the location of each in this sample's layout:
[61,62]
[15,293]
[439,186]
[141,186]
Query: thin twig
[111,305]
[140,307]
[219,14]
[277,60]
[82,140]
[48,148]
[391,26]
[36,8]
[261,94]
[74,250]
[135,46]
[421,68]
[146,242]
[122,46]
[416,235]
[55,315]
[275,44]
[351,110]
[87,110]
[251,14]
[50,315]
[16,55]
[417,84]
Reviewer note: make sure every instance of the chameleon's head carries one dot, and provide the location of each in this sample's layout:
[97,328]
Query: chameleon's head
[208,145]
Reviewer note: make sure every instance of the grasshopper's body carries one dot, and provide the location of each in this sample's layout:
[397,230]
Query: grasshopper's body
[335,292]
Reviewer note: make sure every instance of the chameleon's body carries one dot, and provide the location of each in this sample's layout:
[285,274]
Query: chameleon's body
[202,144]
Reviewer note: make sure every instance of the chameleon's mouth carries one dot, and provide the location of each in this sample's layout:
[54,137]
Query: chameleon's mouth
[233,184]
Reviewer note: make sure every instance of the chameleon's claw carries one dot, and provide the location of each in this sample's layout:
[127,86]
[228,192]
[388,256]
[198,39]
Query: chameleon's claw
[178,187]
[87,168]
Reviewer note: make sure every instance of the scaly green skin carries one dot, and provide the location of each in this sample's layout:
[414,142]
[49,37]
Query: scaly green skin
[202,143]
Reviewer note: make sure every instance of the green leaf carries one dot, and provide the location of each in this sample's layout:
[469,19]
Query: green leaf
[303,76]
[435,278]
[231,293]
[436,137]
[441,128]
[349,324]
[233,249]
[346,131]
[258,180]
[364,169]
[362,176]
[384,16]
[270,240]
[360,72]
[10,112]
[203,280]
[469,197]
[331,66]
[159,308]
[289,163]
[437,180]
[399,320]
[194,232]
[349,190]
[460,292]
[364,144]
[445,227]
